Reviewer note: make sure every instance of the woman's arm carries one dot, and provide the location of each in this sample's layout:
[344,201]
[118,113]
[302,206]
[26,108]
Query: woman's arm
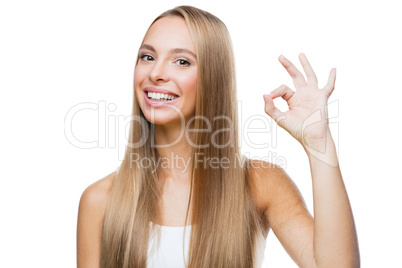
[335,239]
[330,240]
[90,219]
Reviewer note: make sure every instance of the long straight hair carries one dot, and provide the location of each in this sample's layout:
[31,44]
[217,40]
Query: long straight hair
[224,218]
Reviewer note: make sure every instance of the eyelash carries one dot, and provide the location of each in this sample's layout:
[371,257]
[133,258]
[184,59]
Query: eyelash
[187,63]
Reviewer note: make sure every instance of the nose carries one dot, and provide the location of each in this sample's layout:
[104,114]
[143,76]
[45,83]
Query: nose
[159,72]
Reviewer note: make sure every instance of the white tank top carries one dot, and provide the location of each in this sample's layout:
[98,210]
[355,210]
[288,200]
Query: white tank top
[170,252]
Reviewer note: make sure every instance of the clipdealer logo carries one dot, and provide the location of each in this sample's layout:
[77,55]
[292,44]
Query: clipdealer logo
[258,131]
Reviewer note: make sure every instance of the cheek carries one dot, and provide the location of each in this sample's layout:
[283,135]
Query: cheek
[190,84]
[139,76]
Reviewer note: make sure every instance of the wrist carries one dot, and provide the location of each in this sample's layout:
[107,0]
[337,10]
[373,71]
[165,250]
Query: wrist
[318,140]
[323,150]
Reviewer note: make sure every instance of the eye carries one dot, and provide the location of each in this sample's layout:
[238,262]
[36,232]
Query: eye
[146,57]
[183,62]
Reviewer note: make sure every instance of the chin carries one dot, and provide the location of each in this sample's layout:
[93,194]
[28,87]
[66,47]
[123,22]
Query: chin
[162,119]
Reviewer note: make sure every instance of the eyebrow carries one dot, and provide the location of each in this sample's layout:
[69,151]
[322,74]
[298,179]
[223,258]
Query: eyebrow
[173,50]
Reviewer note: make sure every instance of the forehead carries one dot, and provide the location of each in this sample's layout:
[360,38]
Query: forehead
[169,32]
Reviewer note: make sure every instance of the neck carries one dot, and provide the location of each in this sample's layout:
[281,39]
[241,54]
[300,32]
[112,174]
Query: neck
[175,152]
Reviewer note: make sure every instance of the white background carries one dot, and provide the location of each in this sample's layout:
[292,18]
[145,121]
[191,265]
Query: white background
[57,54]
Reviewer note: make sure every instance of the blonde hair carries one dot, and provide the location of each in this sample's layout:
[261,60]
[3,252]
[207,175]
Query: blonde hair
[224,218]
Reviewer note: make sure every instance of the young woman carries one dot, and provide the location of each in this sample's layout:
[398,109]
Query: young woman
[200,203]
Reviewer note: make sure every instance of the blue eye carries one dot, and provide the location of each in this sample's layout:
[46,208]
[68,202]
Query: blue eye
[146,57]
[183,62]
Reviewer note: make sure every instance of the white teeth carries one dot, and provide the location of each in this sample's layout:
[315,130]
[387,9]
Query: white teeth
[160,96]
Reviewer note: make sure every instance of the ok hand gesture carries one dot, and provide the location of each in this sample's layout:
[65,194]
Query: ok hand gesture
[306,120]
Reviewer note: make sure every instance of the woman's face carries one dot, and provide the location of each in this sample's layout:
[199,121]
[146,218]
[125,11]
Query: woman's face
[167,65]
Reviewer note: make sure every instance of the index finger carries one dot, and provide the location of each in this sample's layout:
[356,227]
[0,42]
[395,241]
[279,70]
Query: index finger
[297,76]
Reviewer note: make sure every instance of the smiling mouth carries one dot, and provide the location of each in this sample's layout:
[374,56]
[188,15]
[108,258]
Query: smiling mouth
[160,96]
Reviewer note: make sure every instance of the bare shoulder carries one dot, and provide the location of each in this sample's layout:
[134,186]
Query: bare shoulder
[264,179]
[90,219]
[93,202]
[268,181]
[97,193]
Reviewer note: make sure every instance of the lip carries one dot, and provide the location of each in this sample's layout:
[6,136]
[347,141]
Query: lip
[158,103]
[159,90]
